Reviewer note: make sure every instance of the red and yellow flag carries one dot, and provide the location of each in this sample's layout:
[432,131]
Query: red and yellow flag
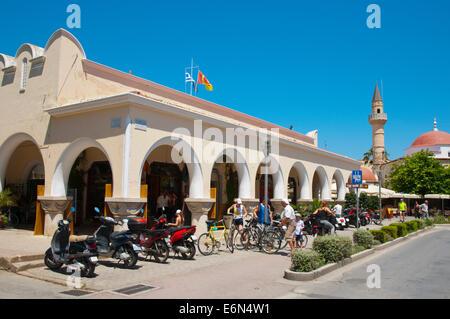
[203,80]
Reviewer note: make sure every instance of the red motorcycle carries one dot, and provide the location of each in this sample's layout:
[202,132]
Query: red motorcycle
[182,239]
[152,242]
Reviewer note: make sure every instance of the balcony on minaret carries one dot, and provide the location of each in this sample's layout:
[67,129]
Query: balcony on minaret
[378,117]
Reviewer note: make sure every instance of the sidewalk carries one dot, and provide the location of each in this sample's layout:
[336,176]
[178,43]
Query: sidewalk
[17,242]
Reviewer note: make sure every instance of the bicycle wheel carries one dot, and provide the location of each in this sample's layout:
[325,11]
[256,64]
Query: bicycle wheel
[282,234]
[237,241]
[229,242]
[253,238]
[305,240]
[205,244]
[270,242]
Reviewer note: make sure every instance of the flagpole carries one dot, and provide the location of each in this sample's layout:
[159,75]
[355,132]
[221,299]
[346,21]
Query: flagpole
[192,72]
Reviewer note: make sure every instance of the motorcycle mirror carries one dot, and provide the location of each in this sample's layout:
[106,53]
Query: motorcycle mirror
[97,210]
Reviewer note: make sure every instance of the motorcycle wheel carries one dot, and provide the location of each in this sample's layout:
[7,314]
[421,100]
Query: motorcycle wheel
[191,246]
[50,261]
[131,262]
[205,244]
[88,270]
[162,251]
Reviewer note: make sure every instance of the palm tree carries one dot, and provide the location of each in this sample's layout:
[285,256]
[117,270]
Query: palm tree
[7,198]
[368,156]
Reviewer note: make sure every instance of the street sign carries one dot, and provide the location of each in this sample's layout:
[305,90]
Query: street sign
[356,177]
[351,185]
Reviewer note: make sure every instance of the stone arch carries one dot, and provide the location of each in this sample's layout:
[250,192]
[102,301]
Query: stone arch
[181,151]
[64,165]
[340,185]
[304,183]
[242,170]
[279,186]
[8,148]
[320,186]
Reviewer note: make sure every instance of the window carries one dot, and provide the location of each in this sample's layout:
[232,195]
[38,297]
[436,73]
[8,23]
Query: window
[8,78]
[378,111]
[23,83]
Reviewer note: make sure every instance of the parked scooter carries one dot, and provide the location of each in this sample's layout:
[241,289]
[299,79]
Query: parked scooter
[182,239]
[71,250]
[118,245]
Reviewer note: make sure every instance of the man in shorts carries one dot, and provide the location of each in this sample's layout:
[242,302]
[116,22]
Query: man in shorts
[289,221]
[402,209]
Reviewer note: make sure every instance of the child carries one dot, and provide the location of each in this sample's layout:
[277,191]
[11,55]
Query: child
[299,231]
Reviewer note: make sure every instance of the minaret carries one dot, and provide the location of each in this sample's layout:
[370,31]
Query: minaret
[435,125]
[377,119]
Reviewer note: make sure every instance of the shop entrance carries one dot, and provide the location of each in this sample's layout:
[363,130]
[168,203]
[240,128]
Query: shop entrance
[165,179]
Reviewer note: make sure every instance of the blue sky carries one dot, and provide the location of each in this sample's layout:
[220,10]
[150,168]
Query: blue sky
[310,64]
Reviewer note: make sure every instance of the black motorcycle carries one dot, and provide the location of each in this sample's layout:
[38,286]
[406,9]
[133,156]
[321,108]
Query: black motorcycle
[71,250]
[118,245]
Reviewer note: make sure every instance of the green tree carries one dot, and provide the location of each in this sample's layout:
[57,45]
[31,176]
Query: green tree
[420,174]
[350,199]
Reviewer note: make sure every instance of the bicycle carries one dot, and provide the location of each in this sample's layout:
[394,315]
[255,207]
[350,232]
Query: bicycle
[260,236]
[207,242]
[13,219]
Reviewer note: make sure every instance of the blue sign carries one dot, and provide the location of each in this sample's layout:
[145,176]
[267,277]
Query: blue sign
[356,177]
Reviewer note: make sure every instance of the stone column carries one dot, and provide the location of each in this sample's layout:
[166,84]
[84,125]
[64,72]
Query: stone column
[277,207]
[199,208]
[250,204]
[122,208]
[54,208]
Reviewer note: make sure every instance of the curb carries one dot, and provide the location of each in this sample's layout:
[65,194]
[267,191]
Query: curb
[20,263]
[308,276]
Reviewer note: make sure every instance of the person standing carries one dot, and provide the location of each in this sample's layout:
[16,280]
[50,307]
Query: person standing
[299,231]
[417,210]
[263,214]
[424,210]
[239,213]
[289,221]
[402,209]
[162,203]
[337,209]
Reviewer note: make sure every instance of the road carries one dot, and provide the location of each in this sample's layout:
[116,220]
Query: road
[416,268]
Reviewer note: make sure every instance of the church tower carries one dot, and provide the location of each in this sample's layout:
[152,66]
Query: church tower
[377,119]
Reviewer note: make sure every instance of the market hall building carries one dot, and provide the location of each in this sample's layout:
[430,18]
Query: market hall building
[75,132]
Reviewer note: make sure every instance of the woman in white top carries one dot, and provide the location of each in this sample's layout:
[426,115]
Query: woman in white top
[239,213]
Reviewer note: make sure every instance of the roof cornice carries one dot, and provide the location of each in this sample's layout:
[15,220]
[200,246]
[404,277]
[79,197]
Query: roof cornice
[131,99]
